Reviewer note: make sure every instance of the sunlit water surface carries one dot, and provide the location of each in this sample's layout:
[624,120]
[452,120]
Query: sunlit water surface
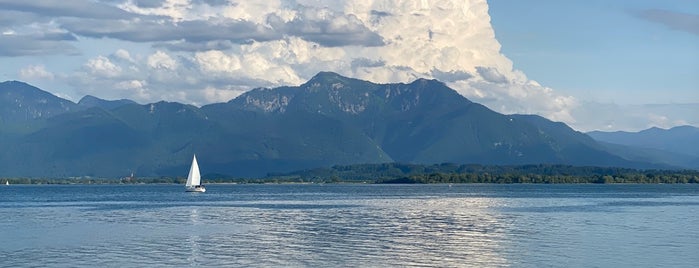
[339,225]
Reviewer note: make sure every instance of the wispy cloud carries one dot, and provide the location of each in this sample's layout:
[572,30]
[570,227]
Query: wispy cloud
[630,117]
[159,31]
[672,19]
[13,44]
[35,72]
[73,8]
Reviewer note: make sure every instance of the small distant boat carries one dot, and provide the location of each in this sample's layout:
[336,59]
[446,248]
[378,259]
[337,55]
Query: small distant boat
[7,182]
[194,179]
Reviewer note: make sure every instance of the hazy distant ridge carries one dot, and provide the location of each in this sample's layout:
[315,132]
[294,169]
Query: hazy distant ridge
[678,146]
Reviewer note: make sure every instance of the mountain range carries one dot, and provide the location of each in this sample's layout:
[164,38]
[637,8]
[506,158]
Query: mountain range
[677,146]
[329,120]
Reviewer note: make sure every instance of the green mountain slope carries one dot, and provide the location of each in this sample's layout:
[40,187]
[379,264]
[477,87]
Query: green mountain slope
[330,120]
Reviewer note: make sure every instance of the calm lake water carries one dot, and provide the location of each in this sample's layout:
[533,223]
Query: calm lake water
[339,225]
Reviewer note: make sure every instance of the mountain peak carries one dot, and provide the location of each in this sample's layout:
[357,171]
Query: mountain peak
[88,99]
[331,78]
[19,86]
[424,82]
[685,128]
[20,102]
[327,75]
[92,101]
[14,83]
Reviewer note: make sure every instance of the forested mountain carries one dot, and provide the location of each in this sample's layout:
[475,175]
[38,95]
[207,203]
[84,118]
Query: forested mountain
[329,120]
[22,105]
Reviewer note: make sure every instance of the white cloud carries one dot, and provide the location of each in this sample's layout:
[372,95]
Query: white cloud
[255,11]
[212,94]
[131,84]
[136,89]
[175,9]
[664,121]
[217,62]
[32,72]
[436,37]
[123,55]
[102,66]
[161,60]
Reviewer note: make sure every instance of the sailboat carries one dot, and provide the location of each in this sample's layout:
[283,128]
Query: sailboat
[7,182]
[194,179]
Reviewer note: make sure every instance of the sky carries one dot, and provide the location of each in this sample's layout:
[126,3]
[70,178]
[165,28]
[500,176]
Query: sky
[594,65]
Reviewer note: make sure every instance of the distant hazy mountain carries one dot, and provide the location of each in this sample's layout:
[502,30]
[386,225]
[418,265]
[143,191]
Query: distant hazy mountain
[678,146]
[330,120]
[682,139]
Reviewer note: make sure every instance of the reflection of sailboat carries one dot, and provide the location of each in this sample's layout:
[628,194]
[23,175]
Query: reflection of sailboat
[193,238]
[194,179]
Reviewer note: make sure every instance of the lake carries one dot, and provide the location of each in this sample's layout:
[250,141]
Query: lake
[350,225]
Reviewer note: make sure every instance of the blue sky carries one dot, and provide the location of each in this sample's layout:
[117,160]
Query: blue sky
[627,52]
[595,65]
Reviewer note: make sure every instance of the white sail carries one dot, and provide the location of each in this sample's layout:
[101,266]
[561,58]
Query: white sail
[194,177]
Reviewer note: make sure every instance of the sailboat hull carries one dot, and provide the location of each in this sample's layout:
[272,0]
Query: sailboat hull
[198,189]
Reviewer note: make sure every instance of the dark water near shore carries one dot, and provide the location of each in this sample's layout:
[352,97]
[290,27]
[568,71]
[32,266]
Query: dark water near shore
[338,225]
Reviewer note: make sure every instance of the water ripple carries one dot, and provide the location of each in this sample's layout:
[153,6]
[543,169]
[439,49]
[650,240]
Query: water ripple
[355,226]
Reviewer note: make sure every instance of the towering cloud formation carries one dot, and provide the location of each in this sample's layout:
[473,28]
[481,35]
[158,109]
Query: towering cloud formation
[452,41]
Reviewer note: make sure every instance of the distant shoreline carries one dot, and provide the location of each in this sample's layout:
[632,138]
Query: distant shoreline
[397,173]
[397,182]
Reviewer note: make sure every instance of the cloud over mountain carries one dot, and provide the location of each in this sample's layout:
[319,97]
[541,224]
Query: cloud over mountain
[199,51]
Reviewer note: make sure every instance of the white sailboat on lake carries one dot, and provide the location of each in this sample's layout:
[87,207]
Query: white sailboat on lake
[194,179]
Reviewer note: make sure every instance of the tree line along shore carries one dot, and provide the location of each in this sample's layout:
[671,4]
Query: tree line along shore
[414,173]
